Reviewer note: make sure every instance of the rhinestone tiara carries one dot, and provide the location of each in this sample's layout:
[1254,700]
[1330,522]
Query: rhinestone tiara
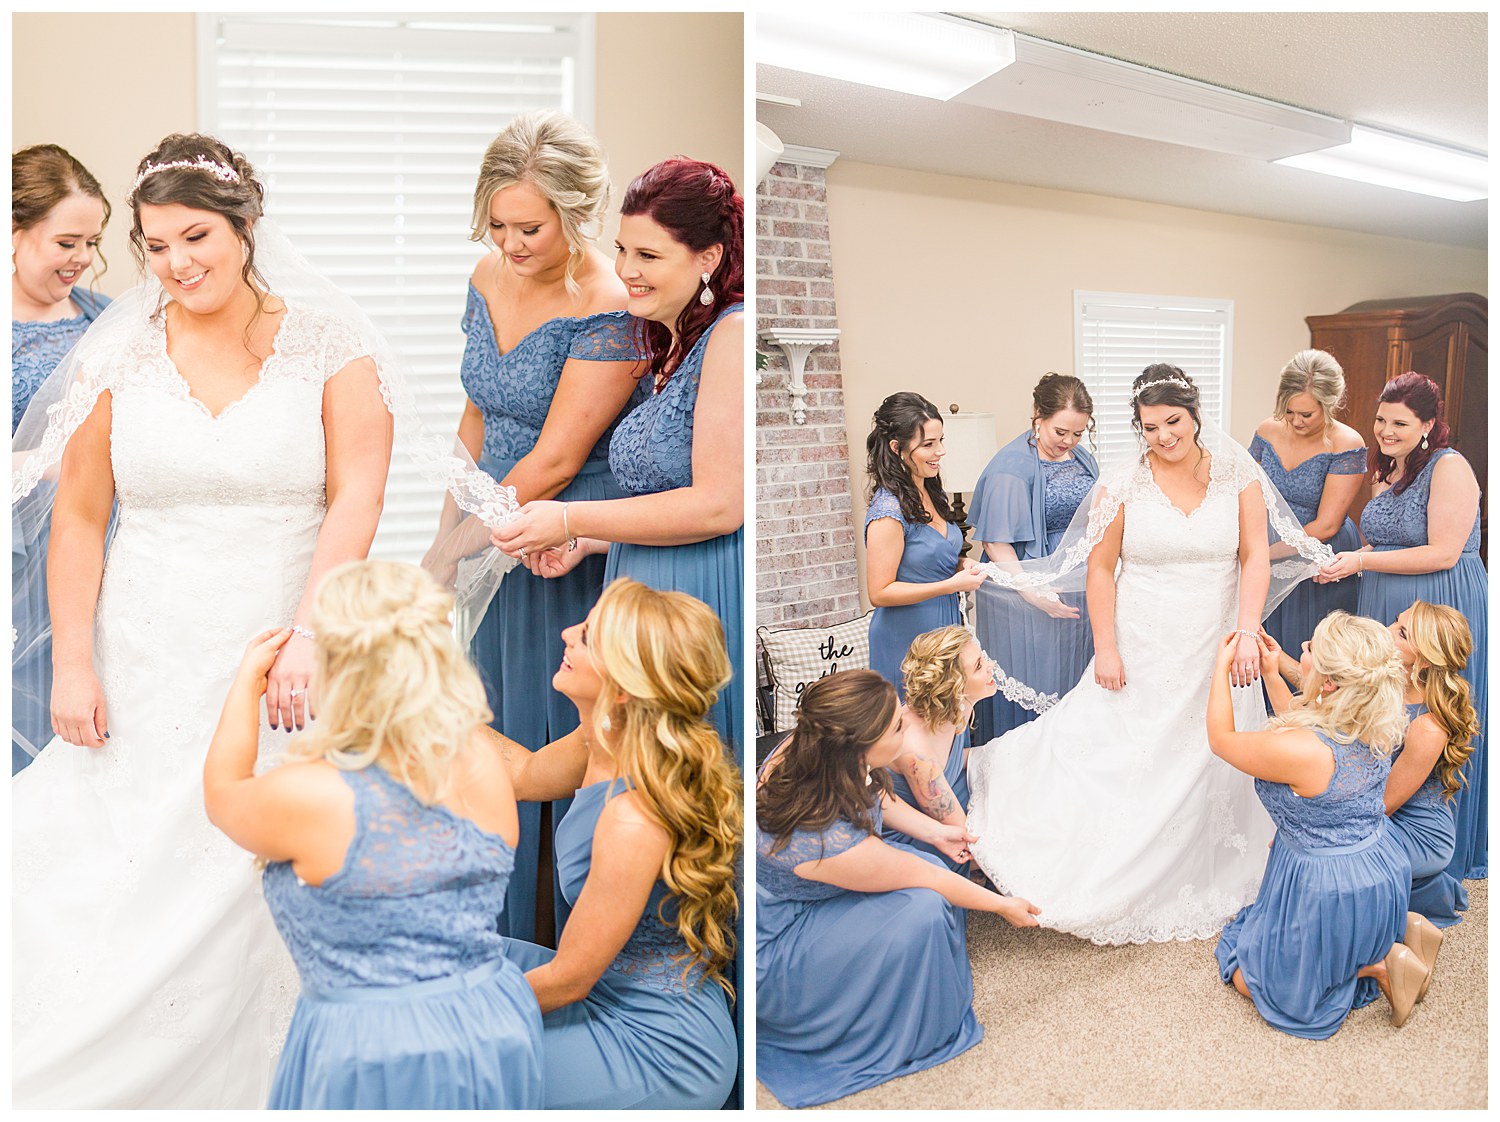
[222,172]
[1135,393]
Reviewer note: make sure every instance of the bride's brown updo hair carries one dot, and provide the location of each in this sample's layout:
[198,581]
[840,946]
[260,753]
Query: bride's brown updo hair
[1172,387]
[821,777]
[241,202]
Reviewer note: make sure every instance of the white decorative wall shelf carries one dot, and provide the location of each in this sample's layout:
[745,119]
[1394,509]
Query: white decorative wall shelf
[797,343]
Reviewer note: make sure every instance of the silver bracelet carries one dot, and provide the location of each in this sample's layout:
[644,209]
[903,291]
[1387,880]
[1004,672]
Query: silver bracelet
[298,629]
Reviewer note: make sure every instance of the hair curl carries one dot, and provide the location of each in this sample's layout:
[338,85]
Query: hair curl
[42,176]
[1056,392]
[1441,637]
[661,661]
[1316,373]
[241,204]
[564,162]
[935,677]
[1360,658]
[901,418]
[392,685]
[697,204]
[1421,395]
[820,776]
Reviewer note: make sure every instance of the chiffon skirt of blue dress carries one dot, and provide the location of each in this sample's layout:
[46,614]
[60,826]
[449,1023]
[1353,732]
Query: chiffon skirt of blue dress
[1322,915]
[31,674]
[1294,619]
[517,648]
[892,630]
[857,989]
[1427,833]
[632,1046]
[468,1042]
[1384,596]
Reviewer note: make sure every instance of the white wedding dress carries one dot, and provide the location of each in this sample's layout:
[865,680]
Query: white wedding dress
[1108,811]
[146,970]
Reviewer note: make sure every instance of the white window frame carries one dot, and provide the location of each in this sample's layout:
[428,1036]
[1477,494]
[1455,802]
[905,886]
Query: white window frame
[409,264]
[1194,333]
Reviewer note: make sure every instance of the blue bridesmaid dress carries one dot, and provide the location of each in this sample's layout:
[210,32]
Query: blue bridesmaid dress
[1294,619]
[652,451]
[408,1001]
[518,644]
[957,775]
[644,1038]
[1028,502]
[853,988]
[1425,828]
[1333,899]
[35,350]
[929,555]
[1392,521]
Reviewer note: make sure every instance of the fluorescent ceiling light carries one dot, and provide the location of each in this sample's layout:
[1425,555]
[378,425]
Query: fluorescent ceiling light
[1075,87]
[930,55]
[1388,160]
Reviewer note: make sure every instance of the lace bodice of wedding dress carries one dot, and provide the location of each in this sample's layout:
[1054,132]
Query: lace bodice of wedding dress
[1109,811]
[147,970]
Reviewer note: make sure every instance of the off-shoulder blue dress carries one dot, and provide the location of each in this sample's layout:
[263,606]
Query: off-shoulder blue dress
[1333,899]
[1292,623]
[518,644]
[853,988]
[644,1038]
[651,452]
[956,772]
[1424,825]
[36,347]
[407,999]
[928,555]
[1028,502]
[1392,521]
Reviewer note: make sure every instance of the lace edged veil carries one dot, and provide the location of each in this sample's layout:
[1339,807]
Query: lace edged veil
[464,560]
[1039,606]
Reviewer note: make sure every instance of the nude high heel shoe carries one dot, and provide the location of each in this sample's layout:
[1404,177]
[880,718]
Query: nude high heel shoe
[1424,939]
[1404,977]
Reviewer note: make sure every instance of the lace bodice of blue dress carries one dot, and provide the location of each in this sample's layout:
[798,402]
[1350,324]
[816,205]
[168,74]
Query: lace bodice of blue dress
[36,347]
[652,448]
[1302,486]
[1066,483]
[514,389]
[415,899]
[1430,793]
[1392,521]
[1351,809]
[774,871]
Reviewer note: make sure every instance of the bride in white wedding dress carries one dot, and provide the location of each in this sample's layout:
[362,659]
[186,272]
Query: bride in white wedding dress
[244,433]
[1109,811]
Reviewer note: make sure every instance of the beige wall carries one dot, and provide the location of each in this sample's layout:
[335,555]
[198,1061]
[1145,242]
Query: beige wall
[665,84]
[962,289]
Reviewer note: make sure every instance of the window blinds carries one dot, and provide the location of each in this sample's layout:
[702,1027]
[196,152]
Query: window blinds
[1119,335]
[367,131]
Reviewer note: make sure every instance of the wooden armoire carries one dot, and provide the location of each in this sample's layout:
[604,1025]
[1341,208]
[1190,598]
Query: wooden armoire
[1443,337]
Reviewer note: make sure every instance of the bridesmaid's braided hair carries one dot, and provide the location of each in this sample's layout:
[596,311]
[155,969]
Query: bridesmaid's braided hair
[902,417]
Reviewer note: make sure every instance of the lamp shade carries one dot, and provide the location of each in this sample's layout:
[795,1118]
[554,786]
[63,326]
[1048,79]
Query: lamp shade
[971,444]
[768,149]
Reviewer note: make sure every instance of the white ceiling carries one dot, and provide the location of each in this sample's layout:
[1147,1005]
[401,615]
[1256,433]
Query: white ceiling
[1419,73]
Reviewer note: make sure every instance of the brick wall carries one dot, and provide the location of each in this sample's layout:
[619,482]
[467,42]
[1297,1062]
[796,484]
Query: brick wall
[805,572]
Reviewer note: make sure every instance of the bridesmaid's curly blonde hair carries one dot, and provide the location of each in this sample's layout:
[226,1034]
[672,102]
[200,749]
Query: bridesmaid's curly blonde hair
[391,685]
[1359,657]
[1441,637]
[661,660]
[934,675]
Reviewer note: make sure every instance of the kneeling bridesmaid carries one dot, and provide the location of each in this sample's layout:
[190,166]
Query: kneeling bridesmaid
[390,836]
[862,964]
[1332,905]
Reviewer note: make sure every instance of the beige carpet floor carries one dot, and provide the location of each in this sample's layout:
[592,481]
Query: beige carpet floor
[1069,1024]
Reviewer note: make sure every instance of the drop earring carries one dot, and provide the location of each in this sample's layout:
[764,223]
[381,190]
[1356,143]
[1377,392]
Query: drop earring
[1424,442]
[706,297]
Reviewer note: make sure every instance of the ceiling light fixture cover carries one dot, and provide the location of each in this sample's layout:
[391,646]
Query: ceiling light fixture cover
[1388,160]
[927,54]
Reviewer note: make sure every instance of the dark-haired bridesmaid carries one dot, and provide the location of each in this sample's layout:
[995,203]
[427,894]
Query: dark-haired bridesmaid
[913,573]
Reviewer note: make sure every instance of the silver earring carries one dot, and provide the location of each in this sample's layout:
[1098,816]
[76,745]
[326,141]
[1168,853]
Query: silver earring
[605,723]
[706,297]
[1424,442]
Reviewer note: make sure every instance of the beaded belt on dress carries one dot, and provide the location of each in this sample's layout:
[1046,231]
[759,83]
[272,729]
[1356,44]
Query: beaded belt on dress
[375,994]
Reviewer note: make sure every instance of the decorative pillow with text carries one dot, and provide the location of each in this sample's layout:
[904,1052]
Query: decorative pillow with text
[798,656]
